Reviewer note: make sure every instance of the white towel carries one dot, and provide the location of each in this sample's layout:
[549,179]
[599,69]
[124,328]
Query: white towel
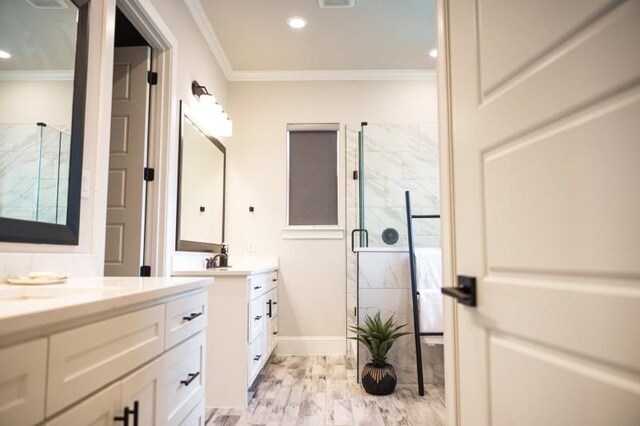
[429,279]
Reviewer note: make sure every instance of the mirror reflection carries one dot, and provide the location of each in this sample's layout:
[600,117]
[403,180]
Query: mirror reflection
[37,59]
[201,191]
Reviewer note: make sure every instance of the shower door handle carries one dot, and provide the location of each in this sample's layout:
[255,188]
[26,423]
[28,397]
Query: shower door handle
[353,238]
[465,292]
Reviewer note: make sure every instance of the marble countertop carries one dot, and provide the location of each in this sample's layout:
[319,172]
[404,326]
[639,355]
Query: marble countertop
[25,307]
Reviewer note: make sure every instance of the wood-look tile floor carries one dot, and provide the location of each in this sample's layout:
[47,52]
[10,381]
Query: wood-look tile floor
[322,390]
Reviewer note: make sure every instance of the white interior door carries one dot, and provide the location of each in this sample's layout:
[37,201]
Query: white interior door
[127,158]
[545,99]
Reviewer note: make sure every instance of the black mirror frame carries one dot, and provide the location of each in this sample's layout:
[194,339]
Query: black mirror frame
[25,231]
[186,245]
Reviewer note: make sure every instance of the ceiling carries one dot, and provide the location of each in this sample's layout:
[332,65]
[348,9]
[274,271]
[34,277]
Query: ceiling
[374,35]
[38,39]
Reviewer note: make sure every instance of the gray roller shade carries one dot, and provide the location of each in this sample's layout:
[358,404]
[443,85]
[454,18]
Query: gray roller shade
[313,177]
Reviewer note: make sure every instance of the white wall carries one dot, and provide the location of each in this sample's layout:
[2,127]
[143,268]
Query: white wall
[313,285]
[194,61]
[32,101]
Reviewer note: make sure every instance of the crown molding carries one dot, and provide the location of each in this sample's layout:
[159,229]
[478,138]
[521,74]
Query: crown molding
[333,75]
[200,17]
[36,75]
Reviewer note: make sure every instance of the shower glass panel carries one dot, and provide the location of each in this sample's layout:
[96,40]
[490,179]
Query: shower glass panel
[394,158]
[34,172]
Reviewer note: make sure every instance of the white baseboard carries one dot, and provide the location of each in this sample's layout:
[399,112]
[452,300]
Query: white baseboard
[311,345]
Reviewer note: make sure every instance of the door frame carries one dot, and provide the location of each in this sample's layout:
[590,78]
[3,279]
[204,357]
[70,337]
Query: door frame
[447,211]
[163,129]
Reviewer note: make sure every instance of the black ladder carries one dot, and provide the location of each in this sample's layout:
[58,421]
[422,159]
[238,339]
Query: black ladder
[415,294]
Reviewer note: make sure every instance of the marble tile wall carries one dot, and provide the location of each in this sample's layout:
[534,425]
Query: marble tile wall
[401,157]
[34,170]
[398,157]
[385,285]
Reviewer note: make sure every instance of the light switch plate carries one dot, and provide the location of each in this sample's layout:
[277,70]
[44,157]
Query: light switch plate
[85,192]
[251,245]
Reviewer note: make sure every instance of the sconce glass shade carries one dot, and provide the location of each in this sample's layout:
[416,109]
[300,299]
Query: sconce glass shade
[210,114]
[207,100]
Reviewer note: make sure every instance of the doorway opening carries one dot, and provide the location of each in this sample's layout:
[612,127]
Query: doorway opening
[129,175]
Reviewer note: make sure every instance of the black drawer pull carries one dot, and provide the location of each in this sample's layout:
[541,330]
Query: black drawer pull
[258,317]
[275,303]
[192,377]
[274,279]
[269,312]
[127,412]
[275,333]
[192,316]
[257,357]
[258,287]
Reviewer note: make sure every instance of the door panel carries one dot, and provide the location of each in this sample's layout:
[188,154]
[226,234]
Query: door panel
[145,386]
[98,410]
[127,158]
[545,103]
[612,397]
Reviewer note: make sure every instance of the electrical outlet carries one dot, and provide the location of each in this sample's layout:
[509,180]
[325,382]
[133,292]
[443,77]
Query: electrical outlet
[251,245]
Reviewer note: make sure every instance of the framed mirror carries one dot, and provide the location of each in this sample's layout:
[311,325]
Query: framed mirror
[201,189]
[43,79]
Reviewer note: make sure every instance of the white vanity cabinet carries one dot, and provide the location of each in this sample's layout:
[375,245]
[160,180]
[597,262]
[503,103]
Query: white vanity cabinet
[145,363]
[23,373]
[241,335]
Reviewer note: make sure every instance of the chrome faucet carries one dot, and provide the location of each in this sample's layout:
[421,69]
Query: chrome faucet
[222,259]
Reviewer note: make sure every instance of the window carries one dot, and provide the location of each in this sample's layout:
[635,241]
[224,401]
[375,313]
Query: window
[312,175]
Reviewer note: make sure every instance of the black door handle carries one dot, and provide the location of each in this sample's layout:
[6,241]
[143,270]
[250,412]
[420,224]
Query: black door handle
[465,292]
[269,303]
[353,238]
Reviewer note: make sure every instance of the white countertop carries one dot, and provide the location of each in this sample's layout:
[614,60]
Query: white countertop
[238,266]
[24,307]
[228,271]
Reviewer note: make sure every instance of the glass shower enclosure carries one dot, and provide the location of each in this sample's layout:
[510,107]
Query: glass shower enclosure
[34,172]
[384,161]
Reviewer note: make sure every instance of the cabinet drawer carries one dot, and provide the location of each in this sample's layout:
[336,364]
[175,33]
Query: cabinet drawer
[23,370]
[256,317]
[256,359]
[261,283]
[185,387]
[185,317]
[196,417]
[84,359]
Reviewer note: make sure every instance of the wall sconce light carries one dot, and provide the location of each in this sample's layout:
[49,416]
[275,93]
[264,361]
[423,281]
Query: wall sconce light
[214,119]
[199,90]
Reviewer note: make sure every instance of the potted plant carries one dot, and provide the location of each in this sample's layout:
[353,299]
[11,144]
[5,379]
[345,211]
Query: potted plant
[378,377]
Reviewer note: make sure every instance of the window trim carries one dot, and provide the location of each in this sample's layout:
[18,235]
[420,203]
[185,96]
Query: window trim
[313,231]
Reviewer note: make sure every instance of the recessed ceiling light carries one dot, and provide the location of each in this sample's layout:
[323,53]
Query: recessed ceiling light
[297,22]
[4,54]
[433,53]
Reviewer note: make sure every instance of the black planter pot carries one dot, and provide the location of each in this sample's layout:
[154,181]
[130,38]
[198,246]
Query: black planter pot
[379,380]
